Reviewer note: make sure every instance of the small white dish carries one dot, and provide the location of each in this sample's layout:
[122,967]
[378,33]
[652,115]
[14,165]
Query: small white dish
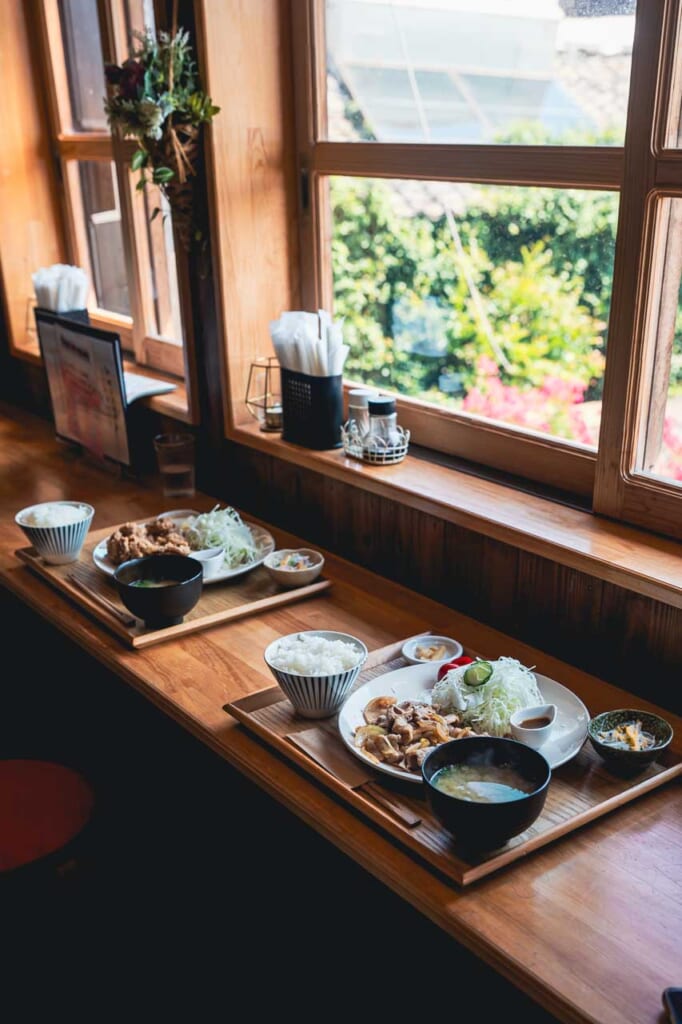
[290,577]
[211,561]
[416,650]
[533,725]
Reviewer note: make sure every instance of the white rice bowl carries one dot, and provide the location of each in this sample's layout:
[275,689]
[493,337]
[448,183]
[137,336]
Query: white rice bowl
[53,513]
[308,654]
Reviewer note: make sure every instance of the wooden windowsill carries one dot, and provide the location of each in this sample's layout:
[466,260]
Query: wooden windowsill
[634,559]
[28,351]
[174,403]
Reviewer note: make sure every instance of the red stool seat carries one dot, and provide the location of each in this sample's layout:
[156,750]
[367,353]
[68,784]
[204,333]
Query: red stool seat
[44,806]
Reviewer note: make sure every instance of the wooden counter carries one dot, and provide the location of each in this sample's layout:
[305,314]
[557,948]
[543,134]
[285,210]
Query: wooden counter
[588,927]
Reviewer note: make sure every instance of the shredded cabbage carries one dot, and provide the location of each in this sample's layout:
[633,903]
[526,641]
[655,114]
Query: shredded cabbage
[487,708]
[222,528]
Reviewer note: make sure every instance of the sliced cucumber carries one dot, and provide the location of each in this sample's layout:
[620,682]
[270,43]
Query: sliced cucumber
[478,673]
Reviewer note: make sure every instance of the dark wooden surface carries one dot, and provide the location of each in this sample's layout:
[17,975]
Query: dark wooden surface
[587,927]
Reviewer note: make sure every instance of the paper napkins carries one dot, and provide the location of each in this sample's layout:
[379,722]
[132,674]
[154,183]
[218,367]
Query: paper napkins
[310,343]
[61,288]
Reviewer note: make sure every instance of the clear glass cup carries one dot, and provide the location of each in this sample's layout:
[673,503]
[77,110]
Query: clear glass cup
[176,460]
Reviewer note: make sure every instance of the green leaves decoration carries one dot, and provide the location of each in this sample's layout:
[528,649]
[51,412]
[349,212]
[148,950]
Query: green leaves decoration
[155,97]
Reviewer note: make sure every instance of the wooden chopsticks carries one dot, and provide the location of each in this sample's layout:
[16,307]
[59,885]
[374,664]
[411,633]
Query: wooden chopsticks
[80,581]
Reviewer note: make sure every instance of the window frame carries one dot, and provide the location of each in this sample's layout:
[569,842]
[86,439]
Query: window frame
[635,170]
[165,355]
[652,172]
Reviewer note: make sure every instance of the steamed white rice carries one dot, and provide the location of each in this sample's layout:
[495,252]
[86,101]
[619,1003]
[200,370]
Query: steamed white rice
[54,514]
[314,655]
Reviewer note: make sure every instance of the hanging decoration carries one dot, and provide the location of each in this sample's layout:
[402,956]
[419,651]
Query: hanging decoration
[155,97]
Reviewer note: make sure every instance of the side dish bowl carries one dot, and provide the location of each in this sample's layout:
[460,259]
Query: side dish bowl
[624,757]
[160,589]
[56,529]
[288,575]
[310,673]
[431,650]
[487,825]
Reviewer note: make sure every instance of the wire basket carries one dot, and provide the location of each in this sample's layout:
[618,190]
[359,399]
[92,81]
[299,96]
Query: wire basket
[380,452]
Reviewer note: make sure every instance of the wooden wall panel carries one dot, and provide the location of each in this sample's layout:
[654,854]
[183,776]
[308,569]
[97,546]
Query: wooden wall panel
[247,70]
[630,640]
[31,233]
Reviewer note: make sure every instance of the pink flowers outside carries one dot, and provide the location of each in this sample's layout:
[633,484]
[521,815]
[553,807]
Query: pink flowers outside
[669,461]
[556,407]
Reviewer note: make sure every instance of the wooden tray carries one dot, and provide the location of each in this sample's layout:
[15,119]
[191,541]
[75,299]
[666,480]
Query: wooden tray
[253,592]
[579,792]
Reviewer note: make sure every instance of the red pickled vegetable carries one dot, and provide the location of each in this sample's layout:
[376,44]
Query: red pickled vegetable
[455,663]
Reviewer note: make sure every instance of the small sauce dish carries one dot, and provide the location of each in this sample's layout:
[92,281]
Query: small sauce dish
[434,650]
[211,561]
[533,725]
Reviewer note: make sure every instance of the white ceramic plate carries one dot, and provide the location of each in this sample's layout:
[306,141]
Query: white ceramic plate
[264,540]
[415,682]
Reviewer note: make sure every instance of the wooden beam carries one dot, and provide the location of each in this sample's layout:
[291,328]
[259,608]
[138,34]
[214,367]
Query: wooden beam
[252,168]
[592,167]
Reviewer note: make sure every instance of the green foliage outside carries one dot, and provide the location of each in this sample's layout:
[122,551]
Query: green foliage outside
[541,261]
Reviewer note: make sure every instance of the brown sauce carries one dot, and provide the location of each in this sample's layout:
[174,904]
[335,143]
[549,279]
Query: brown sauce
[535,723]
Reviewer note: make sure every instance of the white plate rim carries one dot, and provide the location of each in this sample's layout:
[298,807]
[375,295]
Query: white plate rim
[416,682]
[267,541]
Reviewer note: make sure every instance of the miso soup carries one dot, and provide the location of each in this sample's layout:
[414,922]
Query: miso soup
[153,583]
[482,783]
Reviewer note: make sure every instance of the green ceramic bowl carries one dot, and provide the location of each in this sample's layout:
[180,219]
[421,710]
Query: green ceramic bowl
[627,758]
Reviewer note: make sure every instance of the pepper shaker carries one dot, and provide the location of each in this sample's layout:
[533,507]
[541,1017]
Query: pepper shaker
[383,430]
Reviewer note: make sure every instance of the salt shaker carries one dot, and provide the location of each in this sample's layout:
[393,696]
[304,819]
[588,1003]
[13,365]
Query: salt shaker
[357,409]
[383,424]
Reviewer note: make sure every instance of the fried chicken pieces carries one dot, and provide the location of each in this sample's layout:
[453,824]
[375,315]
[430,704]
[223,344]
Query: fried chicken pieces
[402,734]
[135,540]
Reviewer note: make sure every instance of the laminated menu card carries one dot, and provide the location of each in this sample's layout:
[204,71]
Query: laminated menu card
[85,380]
[89,390]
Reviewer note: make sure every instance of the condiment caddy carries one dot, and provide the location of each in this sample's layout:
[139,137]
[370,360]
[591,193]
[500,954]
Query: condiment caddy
[372,433]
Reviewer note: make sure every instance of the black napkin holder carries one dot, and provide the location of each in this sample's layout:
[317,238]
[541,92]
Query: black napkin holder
[312,410]
[81,316]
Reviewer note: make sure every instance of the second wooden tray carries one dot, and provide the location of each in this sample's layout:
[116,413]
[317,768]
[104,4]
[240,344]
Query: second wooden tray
[580,791]
[254,592]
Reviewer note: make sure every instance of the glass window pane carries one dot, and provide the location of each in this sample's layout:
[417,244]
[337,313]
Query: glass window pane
[660,450]
[84,64]
[139,15]
[673,132]
[102,214]
[485,300]
[479,71]
[163,278]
